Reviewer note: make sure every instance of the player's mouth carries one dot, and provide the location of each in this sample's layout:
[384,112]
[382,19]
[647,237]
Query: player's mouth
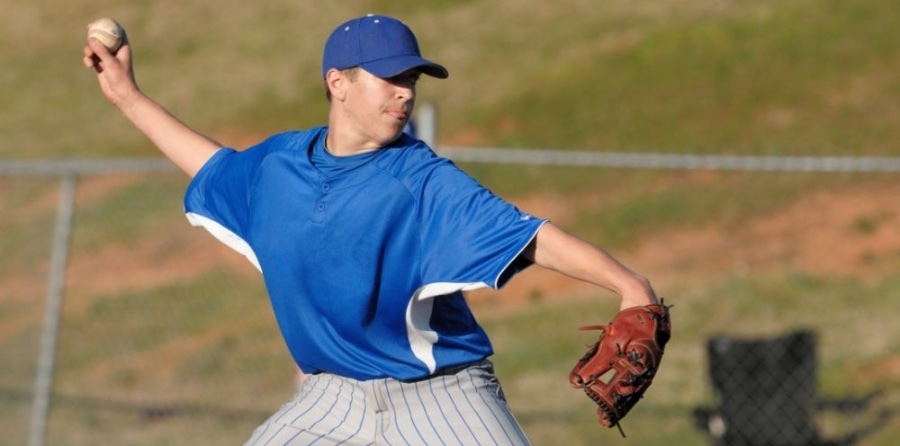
[400,115]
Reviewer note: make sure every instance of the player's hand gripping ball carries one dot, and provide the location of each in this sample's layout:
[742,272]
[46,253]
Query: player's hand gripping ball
[108,32]
[617,369]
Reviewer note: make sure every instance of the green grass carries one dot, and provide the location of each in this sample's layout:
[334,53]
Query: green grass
[536,347]
[535,373]
[808,78]
[129,212]
[227,315]
[799,76]
[207,351]
[616,208]
[25,232]
[790,77]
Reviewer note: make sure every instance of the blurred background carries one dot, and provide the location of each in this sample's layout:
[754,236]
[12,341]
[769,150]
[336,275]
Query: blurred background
[784,277]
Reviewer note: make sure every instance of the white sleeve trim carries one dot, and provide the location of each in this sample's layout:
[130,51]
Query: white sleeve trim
[221,233]
[418,314]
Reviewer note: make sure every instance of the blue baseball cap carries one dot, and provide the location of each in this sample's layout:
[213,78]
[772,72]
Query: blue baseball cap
[381,45]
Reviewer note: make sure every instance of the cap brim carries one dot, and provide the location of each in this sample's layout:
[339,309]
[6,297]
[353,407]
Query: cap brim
[387,68]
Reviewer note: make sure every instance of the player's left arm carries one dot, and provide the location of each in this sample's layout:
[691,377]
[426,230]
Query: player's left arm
[558,250]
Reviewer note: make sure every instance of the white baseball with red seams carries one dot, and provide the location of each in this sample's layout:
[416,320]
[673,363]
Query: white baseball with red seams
[108,32]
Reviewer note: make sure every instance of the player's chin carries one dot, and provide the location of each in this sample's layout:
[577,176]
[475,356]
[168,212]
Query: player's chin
[385,137]
[394,129]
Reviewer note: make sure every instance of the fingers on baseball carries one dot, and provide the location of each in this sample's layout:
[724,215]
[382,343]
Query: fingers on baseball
[96,55]
[91,57]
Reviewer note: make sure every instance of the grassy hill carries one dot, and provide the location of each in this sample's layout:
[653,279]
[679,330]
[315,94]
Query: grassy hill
[790,76]
[158,313]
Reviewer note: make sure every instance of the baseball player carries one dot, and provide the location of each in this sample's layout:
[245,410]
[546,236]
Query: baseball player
[366,240]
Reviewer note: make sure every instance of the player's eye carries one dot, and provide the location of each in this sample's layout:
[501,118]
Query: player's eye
[408,79]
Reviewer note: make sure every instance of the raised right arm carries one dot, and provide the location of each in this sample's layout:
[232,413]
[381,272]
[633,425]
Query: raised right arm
[184,146]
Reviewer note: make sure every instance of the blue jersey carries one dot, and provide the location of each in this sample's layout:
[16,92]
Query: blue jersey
[365,267]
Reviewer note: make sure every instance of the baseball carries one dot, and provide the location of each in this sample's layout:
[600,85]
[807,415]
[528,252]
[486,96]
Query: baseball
[108,32]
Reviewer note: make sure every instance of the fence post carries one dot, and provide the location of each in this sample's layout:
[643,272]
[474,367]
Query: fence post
[426,124]
[43,384]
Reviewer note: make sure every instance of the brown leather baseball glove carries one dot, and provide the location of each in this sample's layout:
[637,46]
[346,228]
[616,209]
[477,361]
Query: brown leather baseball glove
[620,366]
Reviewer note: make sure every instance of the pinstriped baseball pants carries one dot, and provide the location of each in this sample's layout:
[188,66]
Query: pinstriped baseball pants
[461,406]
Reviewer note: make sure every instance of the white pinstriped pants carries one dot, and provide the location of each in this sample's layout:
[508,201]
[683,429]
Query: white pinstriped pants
[461,406]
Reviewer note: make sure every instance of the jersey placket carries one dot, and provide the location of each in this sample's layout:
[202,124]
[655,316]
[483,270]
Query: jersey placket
[322,202]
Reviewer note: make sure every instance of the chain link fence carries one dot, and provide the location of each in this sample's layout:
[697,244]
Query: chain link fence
[121,324]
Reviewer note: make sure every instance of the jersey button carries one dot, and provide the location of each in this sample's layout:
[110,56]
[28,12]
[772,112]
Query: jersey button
[326,187]
[320,206]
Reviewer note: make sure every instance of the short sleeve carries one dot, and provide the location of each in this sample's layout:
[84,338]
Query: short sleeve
[221,189]
[470,235]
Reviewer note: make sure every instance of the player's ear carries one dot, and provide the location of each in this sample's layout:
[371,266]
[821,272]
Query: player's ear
[336,82]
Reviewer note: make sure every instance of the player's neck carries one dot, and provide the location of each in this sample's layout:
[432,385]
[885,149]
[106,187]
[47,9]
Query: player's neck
[337,146]
[343,142]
